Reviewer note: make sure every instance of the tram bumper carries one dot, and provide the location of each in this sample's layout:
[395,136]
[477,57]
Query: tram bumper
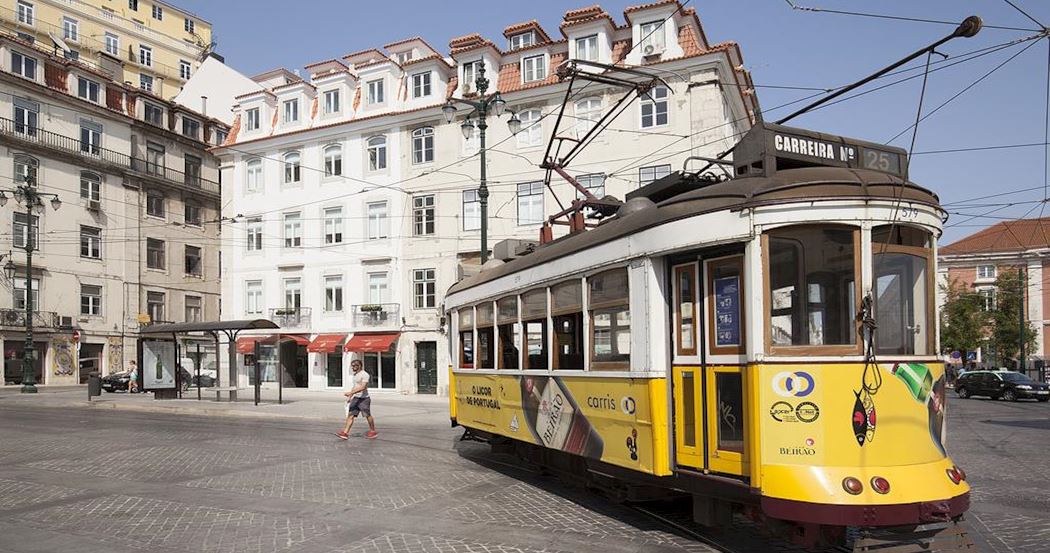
[922,512]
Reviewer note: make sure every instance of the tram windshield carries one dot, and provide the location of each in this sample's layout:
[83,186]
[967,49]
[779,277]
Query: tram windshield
[902,257]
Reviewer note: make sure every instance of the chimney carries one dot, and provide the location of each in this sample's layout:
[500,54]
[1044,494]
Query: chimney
[204,106]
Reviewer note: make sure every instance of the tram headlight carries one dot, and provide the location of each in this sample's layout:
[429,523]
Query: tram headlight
[853,486]
[954,475]
[880,485]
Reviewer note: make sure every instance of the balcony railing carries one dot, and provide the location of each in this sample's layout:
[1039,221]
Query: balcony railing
[374,315]
[290,317]
[17,318]
[69,145]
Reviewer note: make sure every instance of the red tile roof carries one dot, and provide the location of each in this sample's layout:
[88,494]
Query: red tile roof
[1005,236]
[419,38]
[585,15]
[632,9]
[325,62]
[532,25]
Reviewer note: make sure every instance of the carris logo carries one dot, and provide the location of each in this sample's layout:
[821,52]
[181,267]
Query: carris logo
[793,384]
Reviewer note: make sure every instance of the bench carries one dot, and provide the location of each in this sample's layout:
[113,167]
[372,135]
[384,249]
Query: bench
[220,389]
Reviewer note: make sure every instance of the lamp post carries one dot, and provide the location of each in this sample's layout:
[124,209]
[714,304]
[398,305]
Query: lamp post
[32,200]
[478,118]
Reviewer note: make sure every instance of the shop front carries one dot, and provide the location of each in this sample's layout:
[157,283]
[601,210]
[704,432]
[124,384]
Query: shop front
[377,352]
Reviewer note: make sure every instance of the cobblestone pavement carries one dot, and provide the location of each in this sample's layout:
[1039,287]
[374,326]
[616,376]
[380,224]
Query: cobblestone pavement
[112,481]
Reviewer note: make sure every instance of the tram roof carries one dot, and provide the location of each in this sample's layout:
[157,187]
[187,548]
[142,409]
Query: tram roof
[786,186]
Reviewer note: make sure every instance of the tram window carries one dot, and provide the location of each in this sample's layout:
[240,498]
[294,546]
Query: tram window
[534,317]
[509,332]
[726,307]
[685,309]
[902,257]
[567,311]
[486,358]
[466,338]
[610,320]
[812,286]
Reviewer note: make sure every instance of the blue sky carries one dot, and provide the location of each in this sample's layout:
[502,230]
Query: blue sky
[782,47]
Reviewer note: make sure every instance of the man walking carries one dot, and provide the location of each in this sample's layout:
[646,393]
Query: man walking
[359,402]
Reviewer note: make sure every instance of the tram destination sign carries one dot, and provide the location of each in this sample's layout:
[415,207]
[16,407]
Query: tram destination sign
[780,148]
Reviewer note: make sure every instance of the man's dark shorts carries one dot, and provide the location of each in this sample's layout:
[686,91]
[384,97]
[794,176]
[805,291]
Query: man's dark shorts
[360,405]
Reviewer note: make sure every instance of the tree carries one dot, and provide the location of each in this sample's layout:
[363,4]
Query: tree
[962,319]
[1006,317]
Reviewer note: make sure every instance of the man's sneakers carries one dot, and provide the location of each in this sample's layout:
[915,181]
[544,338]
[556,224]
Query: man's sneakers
[343,435]
[371,434]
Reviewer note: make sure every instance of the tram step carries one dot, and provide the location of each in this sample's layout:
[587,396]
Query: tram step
[930,538]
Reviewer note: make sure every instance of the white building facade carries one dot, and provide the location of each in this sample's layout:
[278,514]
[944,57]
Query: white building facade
[356,204]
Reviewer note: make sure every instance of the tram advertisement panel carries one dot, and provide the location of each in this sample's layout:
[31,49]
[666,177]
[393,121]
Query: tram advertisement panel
[600,418]
[846,415]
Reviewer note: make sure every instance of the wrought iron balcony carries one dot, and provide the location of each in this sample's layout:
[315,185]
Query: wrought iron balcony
[375,315]
[291,317]
[77,147]
[17,318]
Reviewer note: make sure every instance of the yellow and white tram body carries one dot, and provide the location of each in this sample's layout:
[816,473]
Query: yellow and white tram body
[708,339]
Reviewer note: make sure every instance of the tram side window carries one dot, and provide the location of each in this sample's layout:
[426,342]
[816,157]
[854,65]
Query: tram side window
[902,258]
[509,332]
[567,311]
[486,358]
[812,286]
[466,338]
[610,320]
[685,309]
[534,317]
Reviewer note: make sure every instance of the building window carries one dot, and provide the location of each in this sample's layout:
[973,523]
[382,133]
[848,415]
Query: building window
[987,299]
[594,183]
[192,258]
[189,25]
[654,107]
[470,73]
[331,102]
[90,242]
[293,293]
[253,297]
[587,48]
[20,293]
[423,145]
[112,44]
[291,167]
[193,170]
[251,119]
[378,224]
[375,92]
[471,210]
[255,234]
[70,29]
[293,230]
[220,137]
[191,128]
[423,215]
[90,137]
[333,293]
[146,55]
[184,69]
[146,82]
[333,225]
[530,203]
[652,37]
[154,158]
[987,272]
[90,300]
[23,65]
[26,168]
[26,115]
[376,153]
[193,309]
[88,90]
[522,40]
[22,231]
[133,5]
[153,114]
[651,173]
[531,133]
[253,174]
[158,12]
[534,68]
[424,288]
[155,204]
[377,288]
[291,111]
[421,85]
[333,160]
[90,186]
[25,12]
[588,112]
[155,306]
[192,214]
[155,258]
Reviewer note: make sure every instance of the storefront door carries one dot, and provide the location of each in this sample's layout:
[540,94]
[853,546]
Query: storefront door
[334,369]
[426,367]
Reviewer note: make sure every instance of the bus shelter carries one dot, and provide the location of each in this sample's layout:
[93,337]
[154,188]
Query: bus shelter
[215,329]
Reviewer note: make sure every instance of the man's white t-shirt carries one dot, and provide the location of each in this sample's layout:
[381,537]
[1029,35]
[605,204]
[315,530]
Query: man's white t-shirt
[361,377]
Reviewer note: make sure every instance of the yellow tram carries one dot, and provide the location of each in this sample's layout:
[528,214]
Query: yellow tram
[765,343]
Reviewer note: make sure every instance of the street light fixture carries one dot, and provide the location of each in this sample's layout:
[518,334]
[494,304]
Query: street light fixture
[10,268]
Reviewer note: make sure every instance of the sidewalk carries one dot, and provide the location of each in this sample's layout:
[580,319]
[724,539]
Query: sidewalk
[298,404]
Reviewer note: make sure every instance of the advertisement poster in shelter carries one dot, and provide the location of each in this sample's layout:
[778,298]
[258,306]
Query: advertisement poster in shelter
[158,364]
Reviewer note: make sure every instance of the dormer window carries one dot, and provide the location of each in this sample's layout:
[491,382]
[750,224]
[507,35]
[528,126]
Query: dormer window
[587,48]
[291,111]
[470,73]
[88,89]
[652,38]
[251,119]
[331,101]
[23,65]
[522,40]
[534,68]
[403,57]
[191,128]
[375,92]
[421,85]
[153,114]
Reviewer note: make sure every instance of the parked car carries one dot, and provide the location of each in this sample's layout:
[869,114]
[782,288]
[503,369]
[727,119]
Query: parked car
[116,382]
[1007,385]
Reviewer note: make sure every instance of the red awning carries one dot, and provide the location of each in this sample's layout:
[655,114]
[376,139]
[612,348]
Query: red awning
[298,338]
[326,343]
[246,344]
[377,342]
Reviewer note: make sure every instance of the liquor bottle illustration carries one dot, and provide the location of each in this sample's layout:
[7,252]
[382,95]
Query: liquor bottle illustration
[555,419]
[917,377]
[160,370]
